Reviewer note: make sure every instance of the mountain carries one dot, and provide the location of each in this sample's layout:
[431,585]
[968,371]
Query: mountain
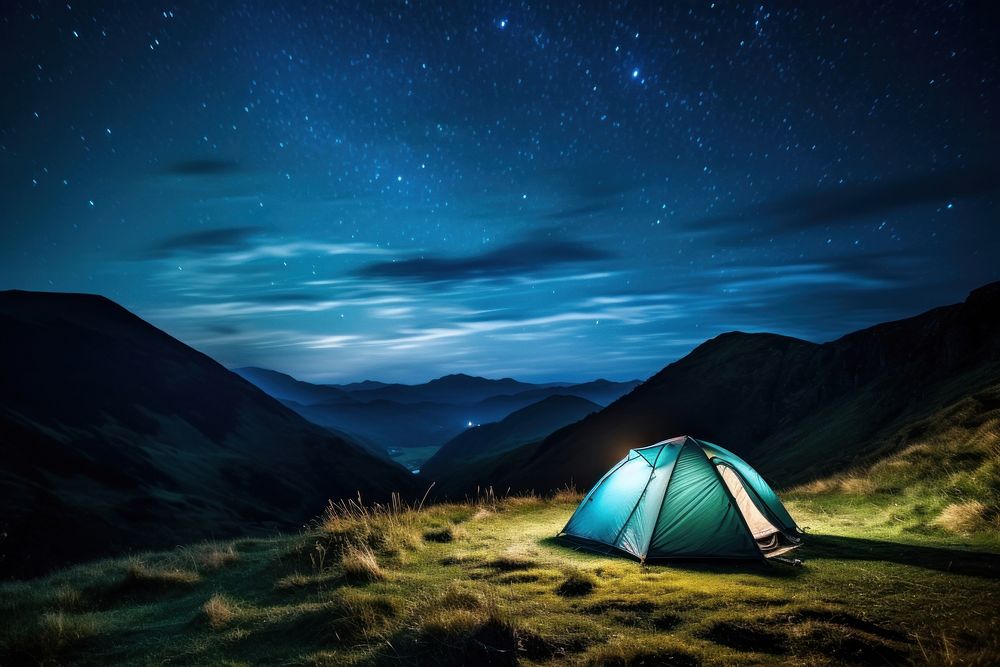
[457,389]
[796,410]
[394,417]
[601,392]
[518,428]
[288,388]
[115,436]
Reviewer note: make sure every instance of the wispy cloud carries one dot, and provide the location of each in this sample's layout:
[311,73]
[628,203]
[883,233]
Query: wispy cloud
[208,241]
[229,246]
[264,304]
[844,204]
[516,259]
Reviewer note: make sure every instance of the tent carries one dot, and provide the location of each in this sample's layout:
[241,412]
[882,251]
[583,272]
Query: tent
[684,498]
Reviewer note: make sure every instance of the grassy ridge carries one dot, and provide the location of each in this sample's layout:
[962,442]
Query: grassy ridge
[944,477]
[486,583]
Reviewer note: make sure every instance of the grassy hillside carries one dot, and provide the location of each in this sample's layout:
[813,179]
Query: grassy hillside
[944,475]
[487,583]
[114,436]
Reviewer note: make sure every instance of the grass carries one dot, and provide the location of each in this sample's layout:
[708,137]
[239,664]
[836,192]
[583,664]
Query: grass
[218,611]
[901,567]
[380,585]
[359,562]
[577,582]
[942,479]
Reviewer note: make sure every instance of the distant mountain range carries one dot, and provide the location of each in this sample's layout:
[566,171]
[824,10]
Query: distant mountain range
[796,410]
[472,446]
[115,436]
[388,417]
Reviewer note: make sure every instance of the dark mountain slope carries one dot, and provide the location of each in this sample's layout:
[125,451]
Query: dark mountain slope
[115,436]
[796,410]
[518,428]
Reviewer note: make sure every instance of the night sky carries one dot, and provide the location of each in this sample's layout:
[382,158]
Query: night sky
[397,190]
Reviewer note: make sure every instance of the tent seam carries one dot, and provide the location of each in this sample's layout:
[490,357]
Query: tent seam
[659,513]
[641,496]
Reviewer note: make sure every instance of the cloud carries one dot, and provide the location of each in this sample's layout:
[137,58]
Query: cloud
[222,329]
[525,257]
[841,205]
[203,167]
[222,239]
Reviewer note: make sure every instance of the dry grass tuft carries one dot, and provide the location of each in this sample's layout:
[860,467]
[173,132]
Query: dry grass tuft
[567,494]
[816,487]
[139,576]
[293,581]
[390,529]
[522,501]
[858,485]
[359,562]
[47,639]
[61,628]
[67,598]
[966,517]
[465,627]
[215,556]
[629,651]
[218,611]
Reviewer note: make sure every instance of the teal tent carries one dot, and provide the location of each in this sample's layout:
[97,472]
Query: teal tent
[684,498]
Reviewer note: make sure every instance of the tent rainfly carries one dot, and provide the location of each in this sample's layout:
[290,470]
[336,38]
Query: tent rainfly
[684,498]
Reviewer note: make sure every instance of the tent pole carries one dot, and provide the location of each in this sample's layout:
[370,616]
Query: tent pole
[641,496]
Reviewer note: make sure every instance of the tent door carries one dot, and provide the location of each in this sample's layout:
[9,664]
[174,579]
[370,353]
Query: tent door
[763,530]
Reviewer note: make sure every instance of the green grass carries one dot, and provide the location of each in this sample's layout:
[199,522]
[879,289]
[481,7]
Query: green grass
[941,479]
[385,586]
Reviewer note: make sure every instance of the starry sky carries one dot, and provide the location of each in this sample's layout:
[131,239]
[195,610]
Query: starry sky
[550,191]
